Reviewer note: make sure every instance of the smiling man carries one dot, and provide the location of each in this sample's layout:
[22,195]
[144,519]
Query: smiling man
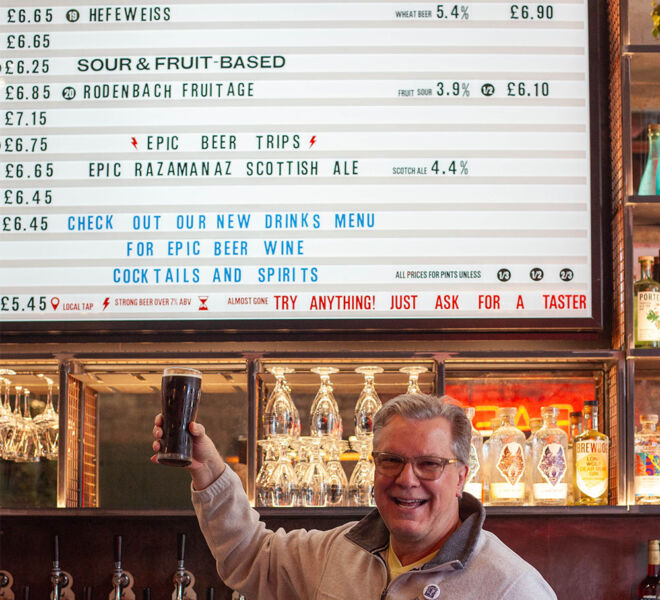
[424,542]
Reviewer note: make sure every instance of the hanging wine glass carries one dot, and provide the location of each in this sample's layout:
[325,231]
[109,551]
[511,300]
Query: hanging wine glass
[368,402]
[413,378]
[361,484]
[12,428]
[314,484]
[48,423]
[27,446]
[264,495]
[324,413]
[337,480]
[5,413]
[283,483]
[281,416]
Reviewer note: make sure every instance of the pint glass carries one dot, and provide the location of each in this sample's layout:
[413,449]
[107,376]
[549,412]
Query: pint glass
[181,390]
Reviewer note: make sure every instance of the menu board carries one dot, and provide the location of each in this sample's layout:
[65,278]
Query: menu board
[245,161]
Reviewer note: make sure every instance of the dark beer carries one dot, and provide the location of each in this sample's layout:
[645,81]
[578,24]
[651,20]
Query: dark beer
[181,390]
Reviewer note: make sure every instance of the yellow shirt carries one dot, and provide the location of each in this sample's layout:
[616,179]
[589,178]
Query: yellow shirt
[395,568]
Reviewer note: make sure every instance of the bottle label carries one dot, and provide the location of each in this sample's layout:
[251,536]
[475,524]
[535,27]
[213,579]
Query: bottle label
[506,491]
[591,459]
[552,464]
[647,464]
[511,463]
[546,491]
[648,316]
[473,463]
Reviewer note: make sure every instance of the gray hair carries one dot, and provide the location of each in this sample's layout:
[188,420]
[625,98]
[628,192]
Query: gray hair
[423,407]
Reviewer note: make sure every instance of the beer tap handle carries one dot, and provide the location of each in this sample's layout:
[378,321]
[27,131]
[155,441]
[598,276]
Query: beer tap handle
[210,593]
[183,580]
[122,580]
[61,581]
[118,551]
[56,552]
[181,548]
[26,592]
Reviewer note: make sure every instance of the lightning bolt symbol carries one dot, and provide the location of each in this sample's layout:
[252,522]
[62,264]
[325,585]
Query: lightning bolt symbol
[134,142]
[107,300]
[312,141]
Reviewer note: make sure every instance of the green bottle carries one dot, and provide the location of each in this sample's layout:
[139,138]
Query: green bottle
[646,307]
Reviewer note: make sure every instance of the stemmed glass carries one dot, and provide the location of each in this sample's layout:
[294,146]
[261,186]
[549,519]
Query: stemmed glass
[413,377]
[281,417]
[368,402]
[264,477]
[27,446]
[12,427]
[5,414]
[337,480]
[283,482]
[314,483]
[361,484]
[48,423]
[324,413]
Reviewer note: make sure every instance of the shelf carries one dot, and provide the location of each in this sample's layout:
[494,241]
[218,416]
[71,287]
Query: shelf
[343,513]
[641,48]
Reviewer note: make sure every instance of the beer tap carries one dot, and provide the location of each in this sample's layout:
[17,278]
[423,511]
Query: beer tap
[6,583]
[183,579]
[6,579]
[61,581]
[122,581]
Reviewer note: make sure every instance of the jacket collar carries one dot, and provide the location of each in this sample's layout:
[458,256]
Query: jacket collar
[371,534]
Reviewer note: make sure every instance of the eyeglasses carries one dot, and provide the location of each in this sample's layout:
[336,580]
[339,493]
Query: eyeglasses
[424,467]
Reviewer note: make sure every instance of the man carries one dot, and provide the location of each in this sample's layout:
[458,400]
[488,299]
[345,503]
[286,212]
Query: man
[425,541]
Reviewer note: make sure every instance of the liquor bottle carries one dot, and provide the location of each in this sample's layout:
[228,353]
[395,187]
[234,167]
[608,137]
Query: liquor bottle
[474,481]
[649,587]
[535,423]
[647,461]
[648,182]
[495,422]
[506,458]
[549,464]
[575,420]
[646,310]
[591,459]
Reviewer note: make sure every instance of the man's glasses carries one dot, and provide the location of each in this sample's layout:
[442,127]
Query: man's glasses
[424,467]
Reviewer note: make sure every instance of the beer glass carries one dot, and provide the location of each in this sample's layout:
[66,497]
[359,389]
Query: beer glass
[181,391]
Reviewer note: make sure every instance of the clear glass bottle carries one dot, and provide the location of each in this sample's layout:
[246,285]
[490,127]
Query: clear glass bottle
[495,423]
[474,481]
[648,183]
[535,423]
[591,459]
[506,458]
[647,461]
[576,425]
[549,463]
[646,310]
[649,587]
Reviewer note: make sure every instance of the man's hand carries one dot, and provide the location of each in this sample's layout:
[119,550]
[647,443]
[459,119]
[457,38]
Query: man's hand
[207,464]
